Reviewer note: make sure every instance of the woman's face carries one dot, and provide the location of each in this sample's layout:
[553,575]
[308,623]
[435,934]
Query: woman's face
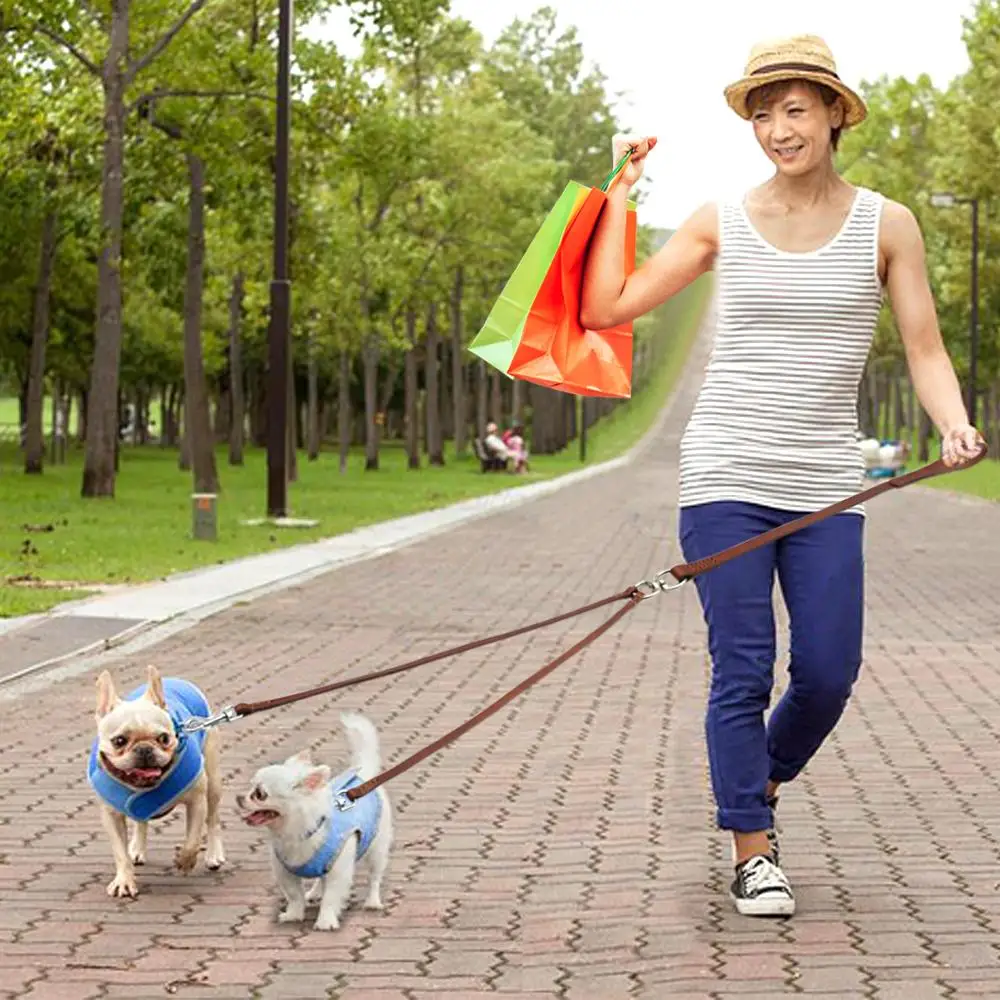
[793,126]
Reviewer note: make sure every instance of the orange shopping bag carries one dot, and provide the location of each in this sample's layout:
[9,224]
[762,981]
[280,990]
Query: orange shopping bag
[554,349]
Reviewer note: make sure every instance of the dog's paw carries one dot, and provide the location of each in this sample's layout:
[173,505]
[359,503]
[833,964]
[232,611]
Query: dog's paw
[185,859]
[214,860]
[123,886]
[374,903]
[292,916]
[326,923]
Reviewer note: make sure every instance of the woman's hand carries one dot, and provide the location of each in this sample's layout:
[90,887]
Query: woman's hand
[633,170]
[960,444]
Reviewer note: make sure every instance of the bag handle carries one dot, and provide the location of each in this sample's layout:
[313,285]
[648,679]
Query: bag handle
[616,171]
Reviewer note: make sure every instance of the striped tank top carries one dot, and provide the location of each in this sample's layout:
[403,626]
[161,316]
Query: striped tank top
[775,422]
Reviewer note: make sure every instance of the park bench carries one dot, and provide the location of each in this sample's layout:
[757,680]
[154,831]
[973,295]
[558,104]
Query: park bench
[488,462]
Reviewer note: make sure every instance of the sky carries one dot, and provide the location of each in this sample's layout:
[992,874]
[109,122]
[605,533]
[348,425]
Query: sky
[671,62]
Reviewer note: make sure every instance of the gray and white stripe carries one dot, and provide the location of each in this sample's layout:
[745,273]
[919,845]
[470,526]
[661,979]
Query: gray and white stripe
[775,422]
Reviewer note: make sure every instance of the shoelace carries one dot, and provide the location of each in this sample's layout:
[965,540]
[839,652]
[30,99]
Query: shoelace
[761,875]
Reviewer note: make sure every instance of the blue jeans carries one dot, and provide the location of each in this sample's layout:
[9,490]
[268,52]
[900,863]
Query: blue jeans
[821,573]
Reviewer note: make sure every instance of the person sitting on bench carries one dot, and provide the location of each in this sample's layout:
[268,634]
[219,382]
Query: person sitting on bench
[497,451]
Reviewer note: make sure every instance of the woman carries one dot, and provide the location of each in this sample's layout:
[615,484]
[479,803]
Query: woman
[801,264]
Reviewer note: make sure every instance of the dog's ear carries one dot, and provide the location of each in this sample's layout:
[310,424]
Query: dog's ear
[154,692]
[107,696]
[302,757]
[314,779]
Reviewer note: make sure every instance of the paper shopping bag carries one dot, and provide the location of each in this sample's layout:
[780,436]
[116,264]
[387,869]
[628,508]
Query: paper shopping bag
[498,339]
[554,349]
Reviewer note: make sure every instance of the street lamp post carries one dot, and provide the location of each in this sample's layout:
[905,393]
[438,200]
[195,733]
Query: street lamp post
[946,199]
[279,329]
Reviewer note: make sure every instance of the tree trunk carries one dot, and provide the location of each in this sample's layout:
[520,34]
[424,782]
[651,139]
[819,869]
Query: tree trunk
[873,400]
[388,388]
[344,408]
[177,415]
[81,431]
[324,416]
[102,412]
[34,445]
[496,399]
[911,411]
[197,419]
[411,418]
[237,401]
[482,398]
[221,412]
[924,436]
[545,415]
[60,423]
[900,394]
[447,407]
[312,422]
[991,427]
[458,387]
[164,416]
[137,408]
[54,438]
[369,357]
[435,446]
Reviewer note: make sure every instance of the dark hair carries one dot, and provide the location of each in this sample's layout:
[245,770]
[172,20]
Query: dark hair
[770,92]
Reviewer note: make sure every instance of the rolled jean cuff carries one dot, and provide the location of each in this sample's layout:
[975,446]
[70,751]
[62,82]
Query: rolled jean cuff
[744,820]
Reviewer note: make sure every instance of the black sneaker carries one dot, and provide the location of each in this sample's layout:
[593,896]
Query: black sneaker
[772,833]
[760,889]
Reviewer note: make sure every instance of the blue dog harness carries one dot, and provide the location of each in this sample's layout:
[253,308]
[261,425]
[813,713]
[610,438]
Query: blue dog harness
[343,819]
[184,700]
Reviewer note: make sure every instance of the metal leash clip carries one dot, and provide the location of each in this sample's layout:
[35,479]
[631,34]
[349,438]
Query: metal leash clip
[660,584]
[199,722]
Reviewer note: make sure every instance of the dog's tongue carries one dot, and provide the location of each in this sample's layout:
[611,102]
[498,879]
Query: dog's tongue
[145,772]
[257,818]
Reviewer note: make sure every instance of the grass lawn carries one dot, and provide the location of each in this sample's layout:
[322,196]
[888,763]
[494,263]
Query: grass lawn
[10,417]
[49,534]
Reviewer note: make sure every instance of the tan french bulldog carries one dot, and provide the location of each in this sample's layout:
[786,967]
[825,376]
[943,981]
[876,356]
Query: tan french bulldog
[143,765]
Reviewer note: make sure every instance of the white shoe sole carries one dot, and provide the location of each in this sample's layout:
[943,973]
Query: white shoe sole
[769,905]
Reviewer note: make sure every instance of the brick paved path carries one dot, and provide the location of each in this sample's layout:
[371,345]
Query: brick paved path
[565,848]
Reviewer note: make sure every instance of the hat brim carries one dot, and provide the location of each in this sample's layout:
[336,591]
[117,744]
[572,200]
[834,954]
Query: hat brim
[736,93]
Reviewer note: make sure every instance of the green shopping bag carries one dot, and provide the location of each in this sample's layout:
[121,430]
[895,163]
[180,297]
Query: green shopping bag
[497,341]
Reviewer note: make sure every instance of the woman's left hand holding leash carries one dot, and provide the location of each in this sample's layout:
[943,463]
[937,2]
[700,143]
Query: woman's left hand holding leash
[960,444]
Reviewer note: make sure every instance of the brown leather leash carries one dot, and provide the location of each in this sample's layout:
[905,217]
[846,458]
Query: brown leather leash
[669,579]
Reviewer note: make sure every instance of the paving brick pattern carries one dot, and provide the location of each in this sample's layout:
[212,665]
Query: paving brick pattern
[565,848]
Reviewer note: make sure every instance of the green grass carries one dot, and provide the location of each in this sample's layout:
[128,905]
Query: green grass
[145,532]
[10,415]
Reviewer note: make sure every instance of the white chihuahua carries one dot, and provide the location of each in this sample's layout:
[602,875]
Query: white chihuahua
[314,836]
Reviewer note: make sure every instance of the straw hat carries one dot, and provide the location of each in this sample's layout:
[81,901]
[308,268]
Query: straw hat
[801,57]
